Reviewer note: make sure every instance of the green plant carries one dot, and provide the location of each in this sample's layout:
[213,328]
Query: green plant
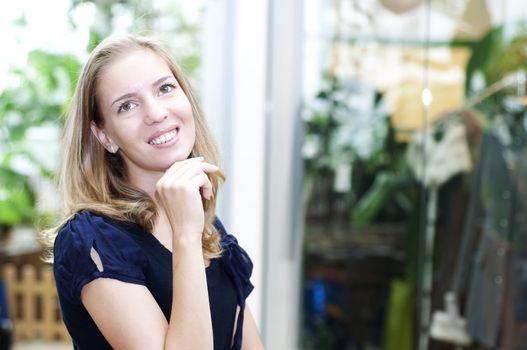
[42,86]
[38,98]
[17,200]
[343,132]
[169,22]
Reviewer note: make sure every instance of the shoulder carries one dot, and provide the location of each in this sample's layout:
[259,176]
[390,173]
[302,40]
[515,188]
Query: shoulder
[86,228]
[235,260]
[87,235]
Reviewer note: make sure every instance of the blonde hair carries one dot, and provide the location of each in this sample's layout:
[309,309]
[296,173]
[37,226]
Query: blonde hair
[90,178]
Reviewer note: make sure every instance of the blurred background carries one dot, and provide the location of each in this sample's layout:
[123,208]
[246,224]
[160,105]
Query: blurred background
[375,154]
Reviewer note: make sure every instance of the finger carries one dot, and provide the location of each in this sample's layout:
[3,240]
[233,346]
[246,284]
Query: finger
[190,160]
[203,183]
[178,168]
[186,170]
[207,190]
[176,173]
[209,168]
[186,174]
[181,163]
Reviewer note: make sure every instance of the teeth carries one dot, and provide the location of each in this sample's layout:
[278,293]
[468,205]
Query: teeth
[164,138]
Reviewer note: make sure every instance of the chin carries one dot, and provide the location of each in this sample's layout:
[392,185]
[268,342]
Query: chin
[176,158]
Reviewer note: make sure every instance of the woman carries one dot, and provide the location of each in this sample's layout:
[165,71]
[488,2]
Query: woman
[140,260]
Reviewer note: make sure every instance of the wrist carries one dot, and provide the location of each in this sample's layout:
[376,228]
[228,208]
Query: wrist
[186,239]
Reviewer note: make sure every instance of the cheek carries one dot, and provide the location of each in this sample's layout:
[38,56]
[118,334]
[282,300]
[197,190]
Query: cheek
[126,133]
[193,129]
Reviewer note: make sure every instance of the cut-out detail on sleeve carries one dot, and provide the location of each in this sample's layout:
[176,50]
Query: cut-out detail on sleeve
[96,259]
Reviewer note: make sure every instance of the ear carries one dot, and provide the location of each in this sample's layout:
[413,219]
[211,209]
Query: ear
[104,139]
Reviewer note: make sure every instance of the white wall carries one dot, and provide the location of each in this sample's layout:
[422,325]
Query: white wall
[283,210]
[252,95]
[234,72]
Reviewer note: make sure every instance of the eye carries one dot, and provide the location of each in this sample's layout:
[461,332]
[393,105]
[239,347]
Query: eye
[166,88]
[126,106]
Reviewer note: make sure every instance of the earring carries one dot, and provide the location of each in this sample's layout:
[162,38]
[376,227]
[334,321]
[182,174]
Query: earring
[112,150]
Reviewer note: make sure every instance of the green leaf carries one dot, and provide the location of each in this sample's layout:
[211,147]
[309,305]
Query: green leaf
[17,200]
[497,55]
[373,200]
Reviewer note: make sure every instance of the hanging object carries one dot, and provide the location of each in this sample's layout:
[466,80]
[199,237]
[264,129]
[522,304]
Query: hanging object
[448,325]
[400,6]
[444,158]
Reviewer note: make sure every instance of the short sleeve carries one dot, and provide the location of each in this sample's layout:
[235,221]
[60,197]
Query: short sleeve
[240,267]
[120,256]
[236,260]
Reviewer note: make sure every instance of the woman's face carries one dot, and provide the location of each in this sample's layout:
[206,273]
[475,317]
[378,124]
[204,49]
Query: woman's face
[147,116]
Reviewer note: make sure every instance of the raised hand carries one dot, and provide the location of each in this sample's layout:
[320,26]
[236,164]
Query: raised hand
[179,194]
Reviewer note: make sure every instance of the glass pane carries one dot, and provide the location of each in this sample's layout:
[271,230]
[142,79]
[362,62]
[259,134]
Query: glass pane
[478,293]
[402,100]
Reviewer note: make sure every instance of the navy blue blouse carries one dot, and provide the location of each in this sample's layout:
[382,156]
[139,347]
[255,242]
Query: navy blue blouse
[129,253]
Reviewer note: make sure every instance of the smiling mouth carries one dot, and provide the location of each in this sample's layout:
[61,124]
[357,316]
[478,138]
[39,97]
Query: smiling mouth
[166,137]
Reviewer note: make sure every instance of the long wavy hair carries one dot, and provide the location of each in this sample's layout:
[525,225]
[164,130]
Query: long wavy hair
[90,178]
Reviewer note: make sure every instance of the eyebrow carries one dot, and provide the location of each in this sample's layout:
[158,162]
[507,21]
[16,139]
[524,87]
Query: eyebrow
[130,94]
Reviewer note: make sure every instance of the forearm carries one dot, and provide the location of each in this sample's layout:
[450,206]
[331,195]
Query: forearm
[179,195]
[190,325]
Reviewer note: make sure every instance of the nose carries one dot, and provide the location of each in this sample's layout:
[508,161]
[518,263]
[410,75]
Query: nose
[155,112]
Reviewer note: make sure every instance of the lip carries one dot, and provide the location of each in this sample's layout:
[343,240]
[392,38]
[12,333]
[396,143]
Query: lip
[161,132]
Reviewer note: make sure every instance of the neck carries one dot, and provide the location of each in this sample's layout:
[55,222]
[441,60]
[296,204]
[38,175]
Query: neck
[145,181]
